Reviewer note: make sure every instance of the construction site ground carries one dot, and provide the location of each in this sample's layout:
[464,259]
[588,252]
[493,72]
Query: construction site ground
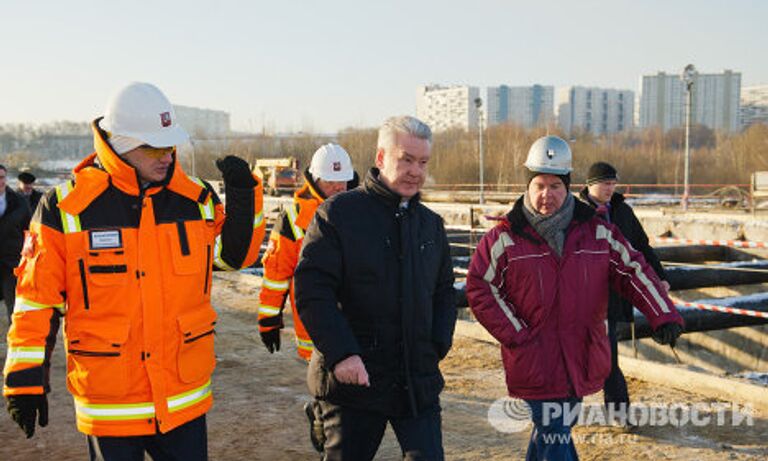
[257,413]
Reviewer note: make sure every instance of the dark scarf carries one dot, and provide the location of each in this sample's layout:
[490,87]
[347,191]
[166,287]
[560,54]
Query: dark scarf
[551,227]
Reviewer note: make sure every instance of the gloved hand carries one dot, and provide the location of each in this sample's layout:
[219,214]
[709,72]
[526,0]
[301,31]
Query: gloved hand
[25,408]
[271,339]
[236,172]
[667,333]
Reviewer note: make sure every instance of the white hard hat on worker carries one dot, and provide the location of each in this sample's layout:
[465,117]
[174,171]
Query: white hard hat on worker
[139,114]
[331,163]
[548,174]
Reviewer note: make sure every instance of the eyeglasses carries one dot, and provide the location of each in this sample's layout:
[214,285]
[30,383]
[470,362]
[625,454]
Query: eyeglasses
[155,152]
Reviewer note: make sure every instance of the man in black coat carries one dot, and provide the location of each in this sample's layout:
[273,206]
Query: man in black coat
[374,288]
[28,191]
[601,194]
[14,219]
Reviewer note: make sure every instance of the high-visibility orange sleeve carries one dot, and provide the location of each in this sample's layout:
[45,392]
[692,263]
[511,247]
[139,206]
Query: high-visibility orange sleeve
[38,308]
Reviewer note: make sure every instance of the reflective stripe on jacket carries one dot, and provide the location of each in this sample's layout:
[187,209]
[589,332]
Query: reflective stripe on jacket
[129,270]
[549,312]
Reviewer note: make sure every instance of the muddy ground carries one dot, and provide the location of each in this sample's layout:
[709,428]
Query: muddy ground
[258,399]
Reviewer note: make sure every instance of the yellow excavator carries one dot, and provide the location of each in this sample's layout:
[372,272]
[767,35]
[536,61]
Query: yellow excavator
[280,175]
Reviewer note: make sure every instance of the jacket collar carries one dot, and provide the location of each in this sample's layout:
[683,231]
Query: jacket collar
[307,198]
[95,172]
[373,185]
[309,189]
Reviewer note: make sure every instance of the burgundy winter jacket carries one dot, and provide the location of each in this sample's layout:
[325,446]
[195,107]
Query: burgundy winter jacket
[549,312]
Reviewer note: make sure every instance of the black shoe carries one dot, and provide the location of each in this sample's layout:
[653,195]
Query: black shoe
[316,433]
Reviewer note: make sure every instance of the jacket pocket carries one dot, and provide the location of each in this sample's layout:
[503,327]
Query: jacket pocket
[523,365]
[196,359]
[105,268]
[97,363]
[599,353]
[185,239]
[427,389]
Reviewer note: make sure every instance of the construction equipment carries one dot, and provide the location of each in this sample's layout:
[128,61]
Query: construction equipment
[280,175]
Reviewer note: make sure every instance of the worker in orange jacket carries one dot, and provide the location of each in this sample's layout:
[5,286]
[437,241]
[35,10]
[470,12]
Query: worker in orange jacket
[330,172]
[124,255]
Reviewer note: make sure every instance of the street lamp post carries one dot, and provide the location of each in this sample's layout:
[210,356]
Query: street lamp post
[689,75]
[478,105]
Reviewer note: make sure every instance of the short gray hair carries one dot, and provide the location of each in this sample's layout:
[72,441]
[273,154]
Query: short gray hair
[402,124]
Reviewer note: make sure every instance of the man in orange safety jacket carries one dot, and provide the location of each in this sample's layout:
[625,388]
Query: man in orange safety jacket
[124,255]
[329,173]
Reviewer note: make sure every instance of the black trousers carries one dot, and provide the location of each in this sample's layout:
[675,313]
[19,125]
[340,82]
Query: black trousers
[8,286]
[615,392]
[355,435]
[188,442]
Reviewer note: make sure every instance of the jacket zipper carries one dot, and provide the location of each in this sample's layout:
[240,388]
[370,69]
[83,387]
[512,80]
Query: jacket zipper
[183,239]
[207,268]
[93,354]
[81,266]
[195,338]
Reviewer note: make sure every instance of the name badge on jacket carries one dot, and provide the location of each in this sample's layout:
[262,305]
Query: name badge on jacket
[105,239]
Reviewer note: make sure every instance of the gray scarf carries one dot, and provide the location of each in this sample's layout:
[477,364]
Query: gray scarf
[552,227]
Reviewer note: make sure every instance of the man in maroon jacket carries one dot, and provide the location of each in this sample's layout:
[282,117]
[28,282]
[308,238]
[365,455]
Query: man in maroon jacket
[537,283]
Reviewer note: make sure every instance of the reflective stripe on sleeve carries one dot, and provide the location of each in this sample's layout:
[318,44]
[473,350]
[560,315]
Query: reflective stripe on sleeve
[305,344]
[268,311]
[220,263]
[276,285]
[258,218]
[16,355]
[25,305]
[497,250]
[603,233]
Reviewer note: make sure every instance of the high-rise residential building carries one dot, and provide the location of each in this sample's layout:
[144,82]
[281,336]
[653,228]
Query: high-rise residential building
[446,107]
[527,106]
[715,101]
[203,123]
[754,105]
[595,110]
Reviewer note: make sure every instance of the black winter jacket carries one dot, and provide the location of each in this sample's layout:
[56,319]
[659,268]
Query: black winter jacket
[32,199]
[12,225]
[619,309]
[376,280]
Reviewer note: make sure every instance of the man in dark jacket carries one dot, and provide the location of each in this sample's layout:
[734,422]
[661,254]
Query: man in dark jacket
[601,194]
[14,218]
[28,191]
[374,288]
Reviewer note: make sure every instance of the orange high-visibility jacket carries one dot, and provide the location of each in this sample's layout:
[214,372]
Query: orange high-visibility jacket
[129,270]
[280,260]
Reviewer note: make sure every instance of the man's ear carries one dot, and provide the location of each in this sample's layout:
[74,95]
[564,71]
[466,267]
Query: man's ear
[379,158]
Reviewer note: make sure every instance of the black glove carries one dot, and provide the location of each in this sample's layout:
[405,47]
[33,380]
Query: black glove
[667,333]
[236,172]
[271,339]
[25,408]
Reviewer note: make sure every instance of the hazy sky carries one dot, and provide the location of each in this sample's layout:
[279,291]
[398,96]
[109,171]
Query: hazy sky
[322,65]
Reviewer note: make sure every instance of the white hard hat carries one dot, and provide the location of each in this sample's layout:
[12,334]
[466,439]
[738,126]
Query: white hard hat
[141,111]
[550,155]
[331,163]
